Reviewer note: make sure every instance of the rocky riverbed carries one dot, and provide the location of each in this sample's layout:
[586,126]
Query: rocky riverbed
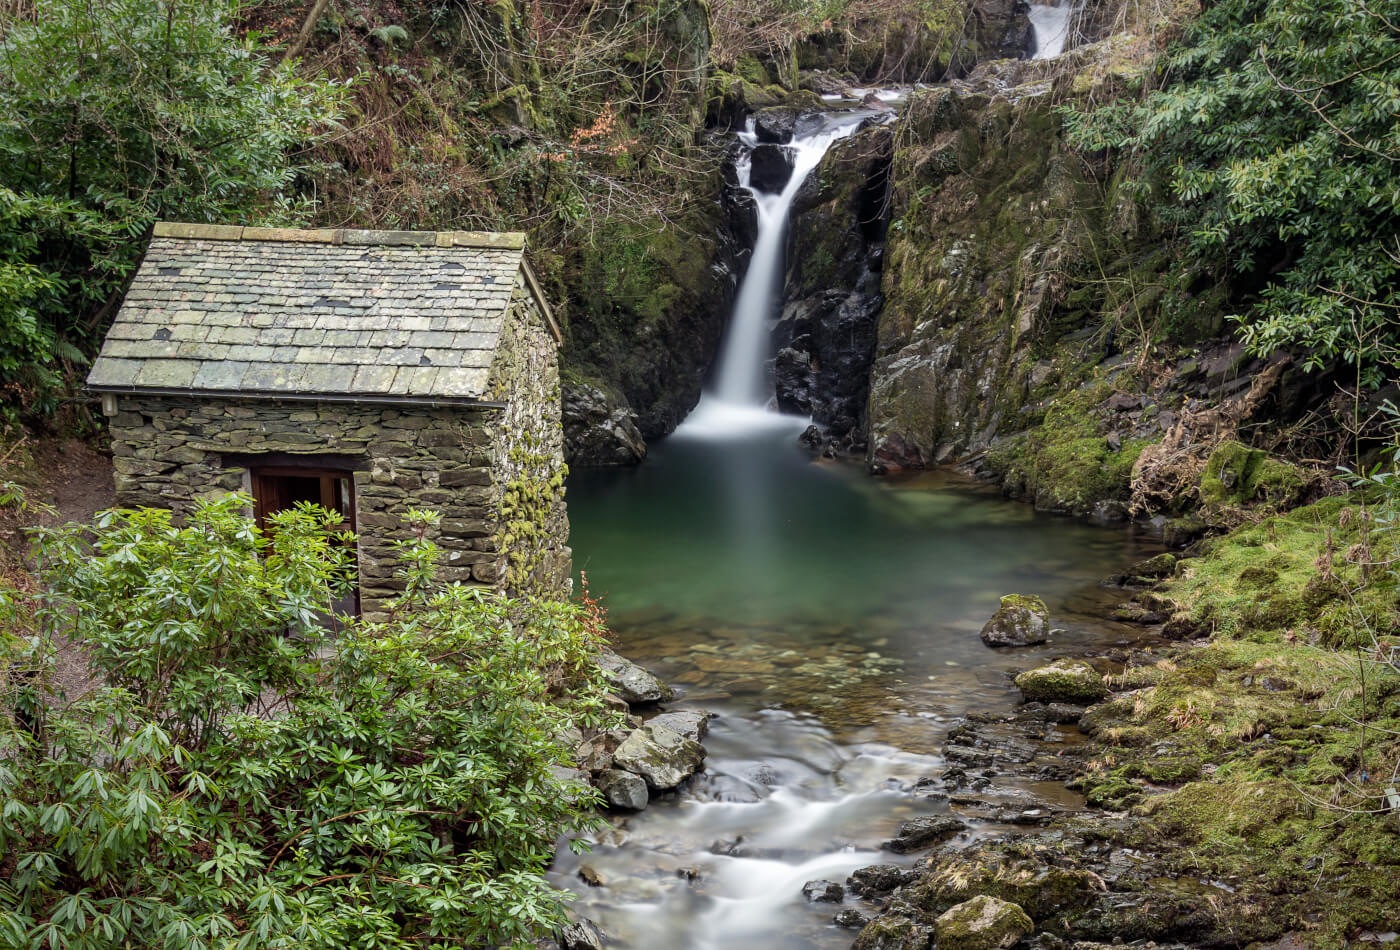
[1057,823]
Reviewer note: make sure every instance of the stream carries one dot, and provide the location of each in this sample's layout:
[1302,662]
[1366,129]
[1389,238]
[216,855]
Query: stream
[830,622]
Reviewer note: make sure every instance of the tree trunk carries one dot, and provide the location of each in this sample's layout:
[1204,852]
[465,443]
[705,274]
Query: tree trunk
[307,26]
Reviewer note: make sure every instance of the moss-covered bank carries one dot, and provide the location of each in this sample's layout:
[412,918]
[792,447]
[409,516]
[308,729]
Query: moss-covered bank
[1262,754]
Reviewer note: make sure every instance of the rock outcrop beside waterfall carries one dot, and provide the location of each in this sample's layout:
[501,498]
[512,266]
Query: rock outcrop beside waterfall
[988,216]
[1021,279]
[825,338]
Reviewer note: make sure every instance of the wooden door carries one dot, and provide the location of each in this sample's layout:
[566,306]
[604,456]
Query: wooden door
[277,489]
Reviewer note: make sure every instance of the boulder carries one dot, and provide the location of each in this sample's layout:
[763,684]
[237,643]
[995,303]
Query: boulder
[877,880]
[1064,681]
[825,891]
[634,684]
[850,919]
[1163,565]
[918,833]
[581,934]
[691,723]
[770,168]
[983,923]
[893,932]
[776,125]
[662,757]
[1021,621]
[599,430]
[623,789]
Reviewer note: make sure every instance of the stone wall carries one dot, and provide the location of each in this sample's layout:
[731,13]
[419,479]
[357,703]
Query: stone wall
[527,455]
[494,474]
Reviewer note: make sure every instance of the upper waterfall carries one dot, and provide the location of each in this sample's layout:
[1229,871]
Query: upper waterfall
[1051,27]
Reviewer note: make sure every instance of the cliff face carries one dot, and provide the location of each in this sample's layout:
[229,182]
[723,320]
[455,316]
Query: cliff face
[825,337]
[1031,328]
[991,215]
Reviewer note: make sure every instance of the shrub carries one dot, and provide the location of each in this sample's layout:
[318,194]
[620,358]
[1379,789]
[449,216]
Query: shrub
[248,776]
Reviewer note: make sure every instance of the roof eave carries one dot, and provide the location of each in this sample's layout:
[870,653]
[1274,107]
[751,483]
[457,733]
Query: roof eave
[383,399]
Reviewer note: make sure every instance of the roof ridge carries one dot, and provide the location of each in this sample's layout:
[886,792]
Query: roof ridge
[500,240]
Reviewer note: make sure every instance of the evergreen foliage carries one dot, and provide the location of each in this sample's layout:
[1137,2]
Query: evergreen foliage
[114,113]
[1273,147]
[244,776]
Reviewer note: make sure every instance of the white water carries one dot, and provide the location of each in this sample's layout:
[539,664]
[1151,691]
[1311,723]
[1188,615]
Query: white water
[737,406]
[1051,26]
[794,805]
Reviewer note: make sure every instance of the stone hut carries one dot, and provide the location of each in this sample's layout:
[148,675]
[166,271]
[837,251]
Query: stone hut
[372,372]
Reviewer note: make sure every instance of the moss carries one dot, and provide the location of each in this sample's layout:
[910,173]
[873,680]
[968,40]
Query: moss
[1168,770]
[749,69]
[1028,601]
[1288,572]
[1237,475]
[1115,793]
[1042,890]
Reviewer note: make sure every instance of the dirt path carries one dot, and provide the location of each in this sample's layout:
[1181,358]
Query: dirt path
[75,482]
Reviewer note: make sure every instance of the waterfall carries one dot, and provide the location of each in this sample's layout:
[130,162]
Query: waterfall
[741,391]
[1051,26]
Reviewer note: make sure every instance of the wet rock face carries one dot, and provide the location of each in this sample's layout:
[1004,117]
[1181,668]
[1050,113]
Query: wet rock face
[825,337]
[877,880]
[1020,621]
[770,168]
[599,431]
[983,923]
[823,891]
[919,833]
[1005,27]
[775,125]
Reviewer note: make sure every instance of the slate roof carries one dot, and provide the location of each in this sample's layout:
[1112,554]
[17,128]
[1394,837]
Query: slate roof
[406,315]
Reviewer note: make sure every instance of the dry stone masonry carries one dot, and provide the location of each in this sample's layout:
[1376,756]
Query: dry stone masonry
[419,370]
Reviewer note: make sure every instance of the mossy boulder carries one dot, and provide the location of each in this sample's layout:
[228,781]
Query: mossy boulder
[893,932]
[1022,620]
[1163,565]
[983,923]
[1042,890]
[1237,476]
[1064,681]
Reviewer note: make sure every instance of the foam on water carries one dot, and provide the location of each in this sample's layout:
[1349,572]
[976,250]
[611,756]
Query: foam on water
[716,418]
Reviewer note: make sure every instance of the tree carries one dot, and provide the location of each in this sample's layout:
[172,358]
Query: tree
[115,113]
[1273,145]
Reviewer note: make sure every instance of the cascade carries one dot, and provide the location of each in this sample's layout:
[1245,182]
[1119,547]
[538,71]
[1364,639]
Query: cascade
[739,399]
[1051,26]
